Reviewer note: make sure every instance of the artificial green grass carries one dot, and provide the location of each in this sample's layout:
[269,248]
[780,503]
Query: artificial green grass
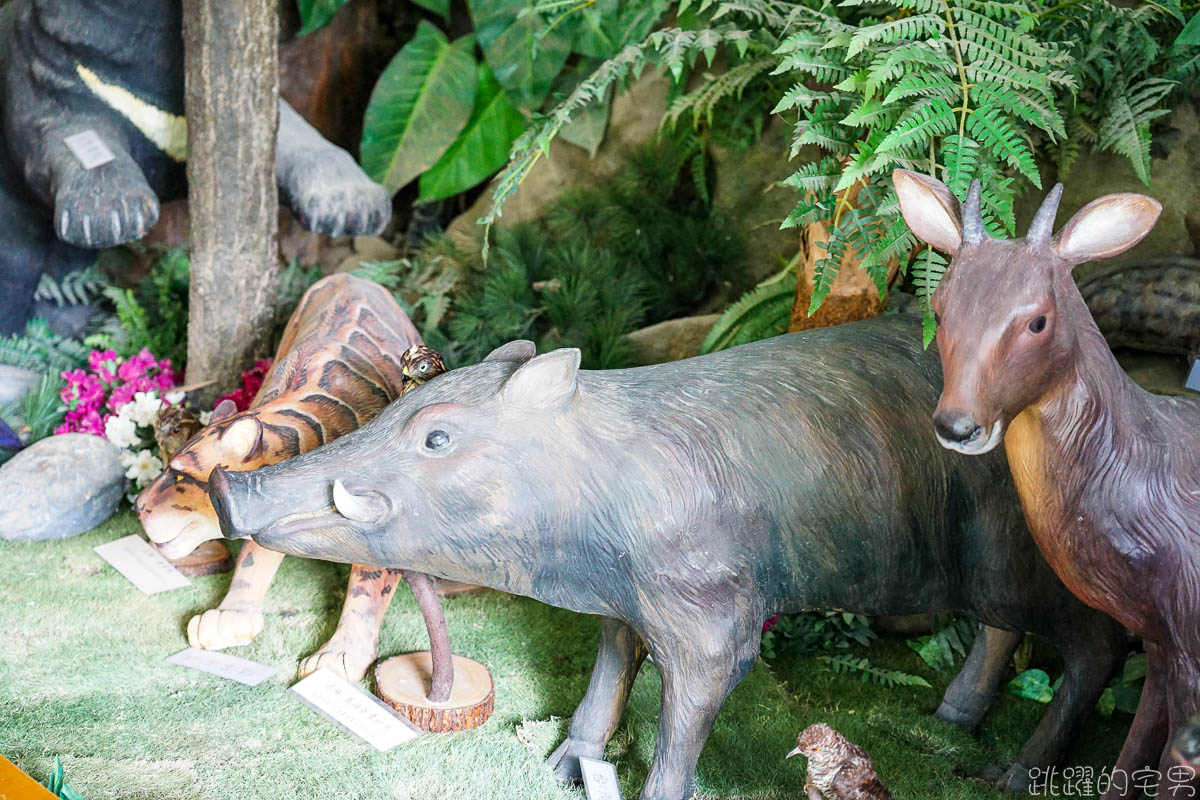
[81,675]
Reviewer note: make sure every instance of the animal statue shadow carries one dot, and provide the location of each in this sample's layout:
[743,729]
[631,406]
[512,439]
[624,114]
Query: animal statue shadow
[685,503]
[115,67]
[340,361]
[1108,474]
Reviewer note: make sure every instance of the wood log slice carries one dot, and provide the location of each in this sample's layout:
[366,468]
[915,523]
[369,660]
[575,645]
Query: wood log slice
[403,682]
[209,558]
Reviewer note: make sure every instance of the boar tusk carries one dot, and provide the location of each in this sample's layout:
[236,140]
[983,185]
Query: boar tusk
[352,506]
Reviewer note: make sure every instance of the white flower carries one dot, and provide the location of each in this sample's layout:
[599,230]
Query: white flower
[205,418]
[141,467]
[121,430]
[145,408]
[174,398]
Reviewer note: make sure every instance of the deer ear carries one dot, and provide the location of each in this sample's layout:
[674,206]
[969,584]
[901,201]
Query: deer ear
[516,350]
[544,381]
[1107,226]
[244,437]
[930,209]
[225,409]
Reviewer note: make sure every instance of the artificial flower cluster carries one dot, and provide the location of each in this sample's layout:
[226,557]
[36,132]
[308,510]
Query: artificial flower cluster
[119,399]
[252,381]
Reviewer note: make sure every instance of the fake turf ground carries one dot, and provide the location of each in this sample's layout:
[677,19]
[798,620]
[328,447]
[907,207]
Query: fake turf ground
[81,676]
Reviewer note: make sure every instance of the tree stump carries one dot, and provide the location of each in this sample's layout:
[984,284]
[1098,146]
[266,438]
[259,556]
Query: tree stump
[403,682]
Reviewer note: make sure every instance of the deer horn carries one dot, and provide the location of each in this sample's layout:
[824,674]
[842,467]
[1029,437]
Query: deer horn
[1042,226]
[972,219]
[352,506]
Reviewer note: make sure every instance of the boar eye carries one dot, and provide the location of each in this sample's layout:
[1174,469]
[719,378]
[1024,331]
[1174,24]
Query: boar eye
[1038,324]
[436,440]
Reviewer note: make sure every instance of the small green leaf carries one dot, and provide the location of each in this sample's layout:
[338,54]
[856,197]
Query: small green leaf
[1190,35]
[481,148]
[523,56]
[419,105]
[1032,684]
[440,7]
[315,14]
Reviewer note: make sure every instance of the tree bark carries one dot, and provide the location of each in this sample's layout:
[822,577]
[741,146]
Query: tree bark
[232,87]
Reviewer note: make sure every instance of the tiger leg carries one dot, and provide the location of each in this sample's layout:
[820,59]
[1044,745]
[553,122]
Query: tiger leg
[351,649]
[239,618]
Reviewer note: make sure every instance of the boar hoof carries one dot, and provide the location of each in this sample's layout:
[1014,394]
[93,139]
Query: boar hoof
[338,660]
[219,628]
[1016,780]
[564,761]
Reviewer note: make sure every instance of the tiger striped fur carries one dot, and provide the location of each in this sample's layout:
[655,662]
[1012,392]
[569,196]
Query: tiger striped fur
[337,366]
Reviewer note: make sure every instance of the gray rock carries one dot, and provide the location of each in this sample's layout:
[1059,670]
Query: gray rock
[14,383]
[60,486]
[670,340]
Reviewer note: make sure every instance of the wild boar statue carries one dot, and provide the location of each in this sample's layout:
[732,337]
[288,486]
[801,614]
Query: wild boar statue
[686,503]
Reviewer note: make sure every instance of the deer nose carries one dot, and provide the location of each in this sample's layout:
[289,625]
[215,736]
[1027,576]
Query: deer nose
[955,426]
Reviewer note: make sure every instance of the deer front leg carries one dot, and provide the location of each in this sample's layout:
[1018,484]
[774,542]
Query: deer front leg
[699,667]
[351,649]
[970,694]
[239,618]
[594,721]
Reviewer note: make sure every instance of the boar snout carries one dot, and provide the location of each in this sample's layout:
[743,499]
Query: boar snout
[220,491]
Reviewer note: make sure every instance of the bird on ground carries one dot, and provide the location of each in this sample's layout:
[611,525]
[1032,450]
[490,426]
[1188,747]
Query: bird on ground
[837,768]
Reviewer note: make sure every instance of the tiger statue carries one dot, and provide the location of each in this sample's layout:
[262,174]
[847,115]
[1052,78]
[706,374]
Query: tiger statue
[341,360]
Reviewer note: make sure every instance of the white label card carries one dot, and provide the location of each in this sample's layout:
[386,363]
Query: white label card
[223,665]
[599,779]
[350,708]
[141,564]
[1193,381]
[89,148]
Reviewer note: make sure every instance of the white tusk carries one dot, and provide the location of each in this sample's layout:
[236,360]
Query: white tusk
[351,506]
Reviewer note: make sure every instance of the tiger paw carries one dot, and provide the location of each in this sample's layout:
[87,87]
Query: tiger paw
[219,628]
[348,663]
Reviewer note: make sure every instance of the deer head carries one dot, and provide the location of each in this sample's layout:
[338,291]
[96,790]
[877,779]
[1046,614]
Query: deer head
[1009,315]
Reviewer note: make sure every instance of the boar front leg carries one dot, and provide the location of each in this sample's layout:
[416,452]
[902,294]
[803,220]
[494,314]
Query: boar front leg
[239,618]
[699,666]
[594,721]
[970,694]
[351,649]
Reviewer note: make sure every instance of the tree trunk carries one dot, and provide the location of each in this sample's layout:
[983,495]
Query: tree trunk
[232,86]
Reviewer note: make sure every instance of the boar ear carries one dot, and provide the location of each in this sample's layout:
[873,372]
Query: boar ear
[1107,226]
[544,381]
[224,409]
[517,350]
[244,437]
[930,209]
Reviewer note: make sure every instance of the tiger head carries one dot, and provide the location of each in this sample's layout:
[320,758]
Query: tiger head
[174,509]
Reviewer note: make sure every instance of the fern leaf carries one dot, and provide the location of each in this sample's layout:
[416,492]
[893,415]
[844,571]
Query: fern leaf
[868,672]
[996,133]
[928,118]
[921,26]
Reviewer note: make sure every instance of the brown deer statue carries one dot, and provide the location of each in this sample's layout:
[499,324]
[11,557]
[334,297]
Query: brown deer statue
[1108,474]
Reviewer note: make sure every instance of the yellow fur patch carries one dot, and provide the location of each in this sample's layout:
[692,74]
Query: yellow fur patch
[168,131]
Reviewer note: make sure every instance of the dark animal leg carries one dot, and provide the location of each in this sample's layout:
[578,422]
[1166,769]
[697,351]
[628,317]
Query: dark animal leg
[594,721]
[351,649]
[970,694]
[1089,657]
[1148,734]
[442,680]
[104,206]
[1183,701]
[323,185]
[699,670]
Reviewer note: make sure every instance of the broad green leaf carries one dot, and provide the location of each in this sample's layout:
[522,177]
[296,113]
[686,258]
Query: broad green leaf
[440,7]
[1032,684]
[603,28]
[419,105]
[1190,35]
[315,14]
[523,64]
[482,146]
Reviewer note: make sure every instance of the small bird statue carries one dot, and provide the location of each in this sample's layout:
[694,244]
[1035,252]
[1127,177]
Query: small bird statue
[172,430]
[418,364]
[837,769]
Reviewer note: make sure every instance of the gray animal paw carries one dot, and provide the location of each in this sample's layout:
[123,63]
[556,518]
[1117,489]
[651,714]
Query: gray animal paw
[329,193]
[564,761]
[105,207]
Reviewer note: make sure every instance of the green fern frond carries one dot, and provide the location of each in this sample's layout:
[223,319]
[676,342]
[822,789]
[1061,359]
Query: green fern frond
[764,311]
[702,101]
[869,673]
[926,119]
[76,288]
[989,126]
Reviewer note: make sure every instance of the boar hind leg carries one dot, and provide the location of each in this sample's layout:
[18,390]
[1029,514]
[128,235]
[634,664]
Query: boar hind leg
[594,721]
[239,618]
[970,694]
[1090,656]
[351,649]
[699,669]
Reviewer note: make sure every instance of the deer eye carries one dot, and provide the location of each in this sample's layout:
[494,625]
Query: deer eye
[436,440]
[1038,324]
